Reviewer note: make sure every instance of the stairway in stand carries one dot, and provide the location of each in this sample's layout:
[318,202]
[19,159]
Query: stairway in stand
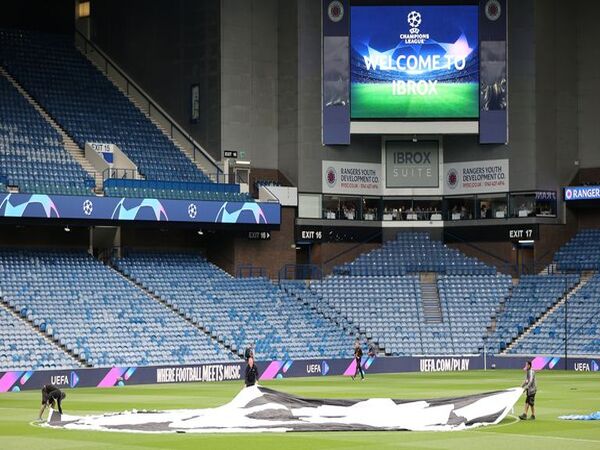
[70,145]
[430,298]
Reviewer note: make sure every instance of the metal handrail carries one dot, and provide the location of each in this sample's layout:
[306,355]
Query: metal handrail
[250,271]
[122,174]
[300,272]
[173,125]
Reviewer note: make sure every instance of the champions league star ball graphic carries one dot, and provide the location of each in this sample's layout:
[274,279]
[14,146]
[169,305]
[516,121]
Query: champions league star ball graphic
[414,19]
[192,211]
[88,207]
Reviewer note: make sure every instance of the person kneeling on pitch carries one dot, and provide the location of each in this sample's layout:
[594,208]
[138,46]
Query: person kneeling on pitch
[251,373]
[530,387]
[51,396]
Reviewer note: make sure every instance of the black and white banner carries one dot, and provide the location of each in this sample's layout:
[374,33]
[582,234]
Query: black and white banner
[258,409]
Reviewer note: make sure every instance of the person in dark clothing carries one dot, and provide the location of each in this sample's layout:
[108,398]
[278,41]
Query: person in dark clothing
[358,357]
[252,374]
[51,396]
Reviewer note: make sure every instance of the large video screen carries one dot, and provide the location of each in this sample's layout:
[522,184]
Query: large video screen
[414,62]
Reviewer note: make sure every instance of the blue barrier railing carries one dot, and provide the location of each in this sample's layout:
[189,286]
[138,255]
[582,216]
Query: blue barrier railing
[175,185]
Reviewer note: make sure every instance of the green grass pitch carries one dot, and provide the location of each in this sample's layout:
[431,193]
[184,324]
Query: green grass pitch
[558,393]
[453,100]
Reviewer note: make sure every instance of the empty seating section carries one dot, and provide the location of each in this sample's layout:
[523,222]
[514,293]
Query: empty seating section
[414,252]
[469,303]
[583,314]
[580,253]
[98,314]
[532,297]
[237,311]
[375,293]
[387,309]
[86,104]
[102,317]
[301,291]
[21,348]
[176,190]
[32,153]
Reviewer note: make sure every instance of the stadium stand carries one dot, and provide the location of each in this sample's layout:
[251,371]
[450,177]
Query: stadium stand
[583,312]
[175,190]
[21,348]
[32,154]
[390,312]
[88,106]
[532,297]
[470,302]
[580,253]
[236,311]
[386,309]
[300,290]
[414,252]
[96,313]
[380,294]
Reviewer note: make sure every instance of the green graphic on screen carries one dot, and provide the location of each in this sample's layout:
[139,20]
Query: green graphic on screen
[414,62]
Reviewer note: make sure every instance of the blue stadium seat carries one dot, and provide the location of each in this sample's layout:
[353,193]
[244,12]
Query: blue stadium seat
[96,313]
[237,311]
[32,154]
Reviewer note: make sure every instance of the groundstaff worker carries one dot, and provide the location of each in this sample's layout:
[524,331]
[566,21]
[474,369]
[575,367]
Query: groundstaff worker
[51,396]
[530,387]
[358,357]
[251,373]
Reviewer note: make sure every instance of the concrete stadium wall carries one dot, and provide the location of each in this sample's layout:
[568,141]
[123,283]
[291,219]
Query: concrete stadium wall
[271,254]
[543,103]
[26,235]
[57,16]
[166,46]
[588,79]
[249,81]
[259,63]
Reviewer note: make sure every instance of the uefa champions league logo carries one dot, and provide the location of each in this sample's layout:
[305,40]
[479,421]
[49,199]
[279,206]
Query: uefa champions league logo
[414,20]
[192,211]
[88,207]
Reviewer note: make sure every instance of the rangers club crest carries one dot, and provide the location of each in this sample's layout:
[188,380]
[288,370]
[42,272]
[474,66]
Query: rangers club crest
[452,179]
[493,10]
[331,177]
[335,11]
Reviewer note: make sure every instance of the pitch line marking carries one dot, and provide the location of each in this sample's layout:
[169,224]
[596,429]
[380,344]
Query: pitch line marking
[559,438]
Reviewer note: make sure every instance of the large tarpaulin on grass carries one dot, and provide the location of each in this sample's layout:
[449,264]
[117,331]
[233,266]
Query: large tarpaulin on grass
[259,409]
